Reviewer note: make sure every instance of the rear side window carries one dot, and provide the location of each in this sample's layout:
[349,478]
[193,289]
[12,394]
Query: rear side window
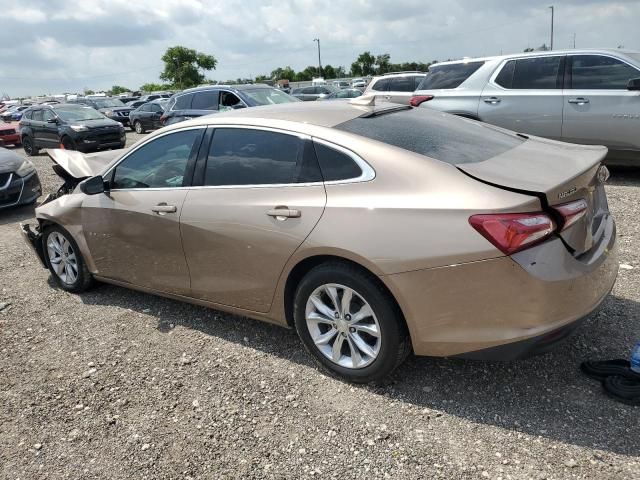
[205,101]
[240,156]
[183,102]
[402,84]
[381,85]
[434,134]
[536,73]
[334,164]
[448,76]
[596,72]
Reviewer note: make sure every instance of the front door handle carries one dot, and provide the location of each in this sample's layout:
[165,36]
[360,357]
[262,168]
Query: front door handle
[282,213]
[579,100]
[387,97]
[492,100]
[163,209]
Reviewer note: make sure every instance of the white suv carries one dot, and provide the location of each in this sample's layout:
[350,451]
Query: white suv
[578,96]
[396,87]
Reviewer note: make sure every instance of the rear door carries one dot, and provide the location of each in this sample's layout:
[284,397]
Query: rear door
[261,195]
[525,95]
[598,108]
[133,230]
[401,89]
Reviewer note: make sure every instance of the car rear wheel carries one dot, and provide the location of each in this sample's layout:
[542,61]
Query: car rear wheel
[137,125]
[29,148]
[349,324]
[68,143]
[65,260]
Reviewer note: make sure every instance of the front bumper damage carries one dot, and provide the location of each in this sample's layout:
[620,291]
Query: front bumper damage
[33,238]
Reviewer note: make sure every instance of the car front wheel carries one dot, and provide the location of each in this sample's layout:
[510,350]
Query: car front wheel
[349,324]
[29,148]
[65,260]
[138,127]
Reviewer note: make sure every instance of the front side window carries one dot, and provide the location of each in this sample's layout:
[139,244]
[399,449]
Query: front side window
[47,115]
[205,101]
[37,115]
[240,156]
[161,163]
[596,72]
[309,90]
[228,101]
[536,73]
[448,76]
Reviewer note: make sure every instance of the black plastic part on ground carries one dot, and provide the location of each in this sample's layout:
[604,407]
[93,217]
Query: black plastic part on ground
[623,389]
[601,369]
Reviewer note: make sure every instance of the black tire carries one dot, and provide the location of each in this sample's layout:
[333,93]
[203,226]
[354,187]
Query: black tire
[138,127]
[29,148]
[68,143]
[84,279]
[395,343]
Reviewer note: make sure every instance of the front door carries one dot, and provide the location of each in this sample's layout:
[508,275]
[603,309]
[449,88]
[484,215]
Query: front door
[133,230]
[261,195]
[599,110]
[525,95]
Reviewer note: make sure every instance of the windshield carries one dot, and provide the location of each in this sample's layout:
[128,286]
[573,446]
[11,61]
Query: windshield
[74,114]
[108,102]
[269,96]
[434,134]
[634,55]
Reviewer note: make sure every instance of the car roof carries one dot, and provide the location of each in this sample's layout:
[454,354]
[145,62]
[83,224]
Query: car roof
[245,86]
[605,51]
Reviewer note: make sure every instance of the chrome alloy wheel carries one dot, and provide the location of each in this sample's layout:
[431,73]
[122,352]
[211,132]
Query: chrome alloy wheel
[343,326]
[62,258]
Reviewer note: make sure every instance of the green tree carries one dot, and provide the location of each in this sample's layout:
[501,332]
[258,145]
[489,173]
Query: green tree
[182,66]
[154,87]
[340,72]
[329,71]
[117,89]
[363,65]
[88,91]
[383,63]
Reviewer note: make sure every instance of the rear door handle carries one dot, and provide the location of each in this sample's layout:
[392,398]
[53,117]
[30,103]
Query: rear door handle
[283,213]
[163,209]
[579,100]
[492,100]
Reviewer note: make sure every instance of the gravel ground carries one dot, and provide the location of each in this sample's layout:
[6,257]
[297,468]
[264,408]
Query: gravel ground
[118,384]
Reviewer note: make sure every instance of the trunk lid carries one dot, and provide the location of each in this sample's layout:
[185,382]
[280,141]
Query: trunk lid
[557,173]
[79,165]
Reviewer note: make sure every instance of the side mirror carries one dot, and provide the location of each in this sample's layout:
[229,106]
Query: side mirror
[634,84]
[238,106]
[93,186]
[52,120]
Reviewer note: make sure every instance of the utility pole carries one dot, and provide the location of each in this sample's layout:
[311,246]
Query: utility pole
[552,12]
[574,41]
[319,62]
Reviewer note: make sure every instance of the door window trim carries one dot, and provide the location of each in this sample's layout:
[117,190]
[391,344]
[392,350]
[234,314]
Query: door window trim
[368,173]
[502,64]
[190,161]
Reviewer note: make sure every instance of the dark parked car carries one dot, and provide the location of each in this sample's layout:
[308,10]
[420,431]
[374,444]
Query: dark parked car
[154,96]
[19,182]
[111,108]
[307,94]
[146,117]
[200,101]
[74,127]
[135,104]
[126,100]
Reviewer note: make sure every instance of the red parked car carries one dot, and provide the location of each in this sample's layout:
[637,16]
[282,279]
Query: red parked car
[9,135]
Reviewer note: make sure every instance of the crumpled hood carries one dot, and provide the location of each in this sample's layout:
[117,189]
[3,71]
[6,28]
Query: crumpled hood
[9,161]
[82,165]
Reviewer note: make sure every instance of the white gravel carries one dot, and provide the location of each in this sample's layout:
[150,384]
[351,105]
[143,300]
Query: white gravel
[118,384]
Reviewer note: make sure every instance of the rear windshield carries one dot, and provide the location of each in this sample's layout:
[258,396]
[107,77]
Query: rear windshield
[448,76]
[435,134]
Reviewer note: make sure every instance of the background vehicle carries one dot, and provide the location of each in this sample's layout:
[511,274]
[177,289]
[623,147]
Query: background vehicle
[111,108]
[126,100]
[341,84]
[307,94]
[13,113]
[9,135]
[345,93]
[358,83]
[74,127]
[19,182]
[136,103]
[579,96]
[395,87]
[511,232]
[199,101]
[146,117]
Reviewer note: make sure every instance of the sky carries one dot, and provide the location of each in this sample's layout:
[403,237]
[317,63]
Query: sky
[55,46]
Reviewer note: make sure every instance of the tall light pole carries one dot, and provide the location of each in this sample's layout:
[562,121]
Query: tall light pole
[552,12]
[319,62]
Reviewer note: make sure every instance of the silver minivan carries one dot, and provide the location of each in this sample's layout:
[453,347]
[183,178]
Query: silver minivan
[578,96]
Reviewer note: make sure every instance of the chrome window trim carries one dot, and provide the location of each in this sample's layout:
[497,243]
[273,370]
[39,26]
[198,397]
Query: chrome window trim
[502,64]
[368,173]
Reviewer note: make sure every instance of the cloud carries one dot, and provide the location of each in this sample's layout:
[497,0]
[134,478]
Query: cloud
[49,46]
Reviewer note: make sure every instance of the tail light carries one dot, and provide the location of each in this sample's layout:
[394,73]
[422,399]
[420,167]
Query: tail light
[571,212]
[512,232]
[416,100]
